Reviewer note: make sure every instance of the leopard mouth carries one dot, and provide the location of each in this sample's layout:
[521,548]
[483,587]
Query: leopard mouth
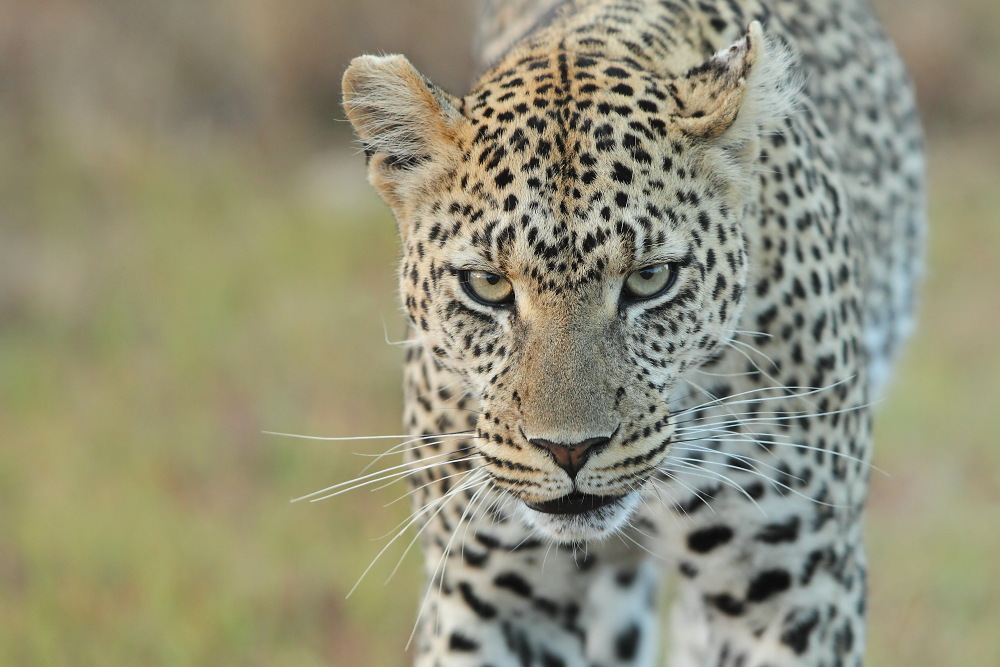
[574,503]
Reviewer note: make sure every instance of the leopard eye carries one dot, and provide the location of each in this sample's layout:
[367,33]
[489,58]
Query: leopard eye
[487,288]
[649,282]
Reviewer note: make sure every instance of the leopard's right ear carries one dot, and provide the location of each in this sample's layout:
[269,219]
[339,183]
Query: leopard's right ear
[406,124]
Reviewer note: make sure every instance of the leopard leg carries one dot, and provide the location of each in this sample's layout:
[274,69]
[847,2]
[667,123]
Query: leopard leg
[498,596]
[772,606]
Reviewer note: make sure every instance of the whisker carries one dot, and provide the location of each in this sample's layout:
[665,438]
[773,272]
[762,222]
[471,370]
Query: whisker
[447,549]
[423,603]
[395,448]
[626,536]
[691,447]
[402,477]
[693,490]
[753,334]
[800,391]
[408,341]
[443,501]
[793,445]
[712,474]
[785,416]
[371,437]
[700,495]
[423,486]
[775,483]
[378,477]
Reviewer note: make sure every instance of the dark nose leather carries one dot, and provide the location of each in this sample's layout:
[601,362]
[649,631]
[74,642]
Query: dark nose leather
[571,457]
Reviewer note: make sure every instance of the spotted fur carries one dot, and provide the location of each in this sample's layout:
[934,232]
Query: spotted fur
[768,155]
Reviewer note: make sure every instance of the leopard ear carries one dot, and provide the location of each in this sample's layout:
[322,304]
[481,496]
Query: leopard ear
[727,102]
[732,94]
[405,123]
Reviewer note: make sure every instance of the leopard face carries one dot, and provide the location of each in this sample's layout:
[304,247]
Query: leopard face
[572,246]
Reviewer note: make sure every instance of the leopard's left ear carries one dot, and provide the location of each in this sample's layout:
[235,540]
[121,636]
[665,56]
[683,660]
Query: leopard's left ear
[405,123]
[727,99]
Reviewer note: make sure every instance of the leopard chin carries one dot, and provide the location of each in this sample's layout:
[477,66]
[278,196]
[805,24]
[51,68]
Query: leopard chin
[597,518]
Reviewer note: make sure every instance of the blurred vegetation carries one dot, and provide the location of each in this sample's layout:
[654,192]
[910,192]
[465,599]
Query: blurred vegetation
[189,256]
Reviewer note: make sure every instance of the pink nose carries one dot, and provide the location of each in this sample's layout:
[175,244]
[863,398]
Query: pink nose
[571,457]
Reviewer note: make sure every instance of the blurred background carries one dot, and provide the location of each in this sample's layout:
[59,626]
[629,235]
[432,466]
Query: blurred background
[189,256]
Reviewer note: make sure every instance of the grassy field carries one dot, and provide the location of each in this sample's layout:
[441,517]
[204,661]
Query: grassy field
[166,296]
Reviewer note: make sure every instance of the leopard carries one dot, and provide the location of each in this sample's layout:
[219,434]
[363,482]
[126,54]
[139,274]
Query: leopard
[657,267]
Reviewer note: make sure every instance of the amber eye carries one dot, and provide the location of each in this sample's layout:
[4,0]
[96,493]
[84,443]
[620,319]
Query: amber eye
[487,288]
[649,282]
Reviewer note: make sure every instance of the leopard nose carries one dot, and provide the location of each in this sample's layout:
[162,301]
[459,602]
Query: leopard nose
[571,457]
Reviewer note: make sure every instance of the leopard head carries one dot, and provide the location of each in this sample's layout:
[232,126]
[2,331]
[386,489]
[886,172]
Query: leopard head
[572,246]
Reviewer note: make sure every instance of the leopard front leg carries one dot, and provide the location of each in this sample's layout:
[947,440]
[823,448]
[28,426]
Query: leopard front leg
[496,595]
[814,617]
[782,590]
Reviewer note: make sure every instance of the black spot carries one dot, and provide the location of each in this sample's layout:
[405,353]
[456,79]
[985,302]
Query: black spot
[627,643]
[504,178]
[623,89]
[843,640]
[459,642]
[704,540]
[517,641]
[688,570]
[775,533]
[482,608]
[798,630]
[473,558]
[549,660]
[514,583]
[622,174]
[626,578]
[726,603]
[768,583]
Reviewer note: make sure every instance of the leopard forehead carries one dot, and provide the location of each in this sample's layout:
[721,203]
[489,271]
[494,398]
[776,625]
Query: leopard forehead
[567,173]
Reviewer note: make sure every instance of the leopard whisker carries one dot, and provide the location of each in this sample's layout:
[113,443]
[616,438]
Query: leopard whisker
[739,457]
[423,486]
[442,501]
[753,334]
[793,445]
[439,567]
[785,416]
[657,490]
[395,448]
[370,437]
[773,482]
[394,481]
[404,342]
[798,392]
[377,478]
[713,474]
[658,484]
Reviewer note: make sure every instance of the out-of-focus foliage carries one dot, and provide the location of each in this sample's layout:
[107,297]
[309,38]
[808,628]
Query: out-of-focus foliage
[189,256]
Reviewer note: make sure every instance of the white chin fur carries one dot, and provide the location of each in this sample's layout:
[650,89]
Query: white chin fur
[569,528]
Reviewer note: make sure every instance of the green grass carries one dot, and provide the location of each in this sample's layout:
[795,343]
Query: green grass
[158,312]
[933,524]
[169,313]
